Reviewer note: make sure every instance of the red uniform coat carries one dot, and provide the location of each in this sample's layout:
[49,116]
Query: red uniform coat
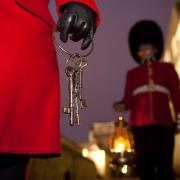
[29,78]
[149,107]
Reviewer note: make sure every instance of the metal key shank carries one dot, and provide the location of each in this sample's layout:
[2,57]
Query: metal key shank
[75,76]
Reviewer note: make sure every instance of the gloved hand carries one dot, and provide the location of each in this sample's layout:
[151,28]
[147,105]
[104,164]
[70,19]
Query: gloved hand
[79,21]
[119,106]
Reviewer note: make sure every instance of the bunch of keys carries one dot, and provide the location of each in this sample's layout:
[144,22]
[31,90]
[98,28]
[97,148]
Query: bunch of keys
[75,87]
[74,71]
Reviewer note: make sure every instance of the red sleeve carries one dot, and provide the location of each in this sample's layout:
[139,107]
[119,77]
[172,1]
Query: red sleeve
[174,88]
[90,3]
[127,99]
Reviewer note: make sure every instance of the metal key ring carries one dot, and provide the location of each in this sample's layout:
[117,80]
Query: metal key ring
[72,54]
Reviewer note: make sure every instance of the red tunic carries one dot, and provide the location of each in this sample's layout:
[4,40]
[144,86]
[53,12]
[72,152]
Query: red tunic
[150,105]
[29,78]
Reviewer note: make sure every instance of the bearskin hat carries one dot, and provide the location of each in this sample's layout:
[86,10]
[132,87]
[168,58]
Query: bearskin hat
[145,31]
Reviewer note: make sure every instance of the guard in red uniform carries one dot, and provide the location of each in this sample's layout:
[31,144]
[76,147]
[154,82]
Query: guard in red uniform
[29,77]
[148,91]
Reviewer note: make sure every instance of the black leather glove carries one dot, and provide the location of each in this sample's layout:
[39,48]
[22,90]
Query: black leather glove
[79,21]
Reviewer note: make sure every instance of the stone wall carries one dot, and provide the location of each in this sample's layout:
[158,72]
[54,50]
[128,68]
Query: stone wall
[172,54]
[71,165]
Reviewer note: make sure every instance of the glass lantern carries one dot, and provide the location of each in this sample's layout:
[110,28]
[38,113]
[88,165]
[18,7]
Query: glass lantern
[121,146]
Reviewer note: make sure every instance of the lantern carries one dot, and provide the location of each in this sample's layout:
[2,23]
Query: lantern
[121,146]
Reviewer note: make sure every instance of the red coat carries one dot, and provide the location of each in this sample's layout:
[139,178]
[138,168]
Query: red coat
[29,78]
[147,93]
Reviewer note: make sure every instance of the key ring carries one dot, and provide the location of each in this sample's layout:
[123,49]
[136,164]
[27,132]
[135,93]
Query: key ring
[73,54]
[74,73]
